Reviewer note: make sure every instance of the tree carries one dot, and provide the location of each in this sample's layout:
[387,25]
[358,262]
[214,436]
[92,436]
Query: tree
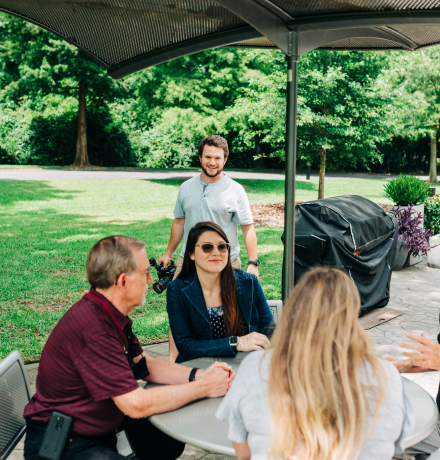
[177,103]
[340,114]
[414,82]
[37,63]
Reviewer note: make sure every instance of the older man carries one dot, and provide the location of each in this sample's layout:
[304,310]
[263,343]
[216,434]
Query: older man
[92,359]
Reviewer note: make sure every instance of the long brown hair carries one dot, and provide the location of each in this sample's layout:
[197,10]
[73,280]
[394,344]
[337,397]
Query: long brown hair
[228,285]
[317,398]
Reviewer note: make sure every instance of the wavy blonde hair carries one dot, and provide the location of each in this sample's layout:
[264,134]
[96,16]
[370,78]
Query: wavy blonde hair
[317,400]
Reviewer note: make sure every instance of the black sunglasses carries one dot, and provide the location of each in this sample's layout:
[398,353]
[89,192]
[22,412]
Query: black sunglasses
[208,247]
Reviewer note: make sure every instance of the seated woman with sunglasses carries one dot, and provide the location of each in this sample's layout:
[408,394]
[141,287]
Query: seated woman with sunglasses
[213,309]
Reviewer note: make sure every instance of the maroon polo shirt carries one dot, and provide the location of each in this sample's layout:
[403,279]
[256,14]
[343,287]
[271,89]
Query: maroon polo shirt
[83,365]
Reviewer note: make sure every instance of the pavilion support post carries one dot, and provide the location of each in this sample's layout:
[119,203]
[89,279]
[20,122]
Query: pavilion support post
[289,205]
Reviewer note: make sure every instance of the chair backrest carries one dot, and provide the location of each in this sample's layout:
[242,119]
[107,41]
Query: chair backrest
[14,395]
[276,307]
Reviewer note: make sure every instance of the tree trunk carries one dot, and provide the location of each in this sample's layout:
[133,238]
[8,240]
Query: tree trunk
[433,162]
[260,162]
[82,158]
[323,157]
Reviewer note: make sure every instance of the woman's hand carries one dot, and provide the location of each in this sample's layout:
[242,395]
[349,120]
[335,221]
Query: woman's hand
[253,341]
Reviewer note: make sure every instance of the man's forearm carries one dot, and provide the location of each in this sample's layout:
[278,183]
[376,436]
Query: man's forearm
[166,372]
[144,403]
[250,241]
[177,230]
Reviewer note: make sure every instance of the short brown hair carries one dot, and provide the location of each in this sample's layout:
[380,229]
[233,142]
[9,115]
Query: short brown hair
[216,141]
[110,257]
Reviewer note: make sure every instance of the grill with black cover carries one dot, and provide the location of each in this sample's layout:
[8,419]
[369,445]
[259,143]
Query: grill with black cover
[350,233]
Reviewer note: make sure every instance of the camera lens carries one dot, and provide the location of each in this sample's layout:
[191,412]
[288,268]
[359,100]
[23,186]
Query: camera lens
[158,287]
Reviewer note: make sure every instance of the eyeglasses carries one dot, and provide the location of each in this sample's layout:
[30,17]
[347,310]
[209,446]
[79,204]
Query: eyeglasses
[143,272]
[208,247]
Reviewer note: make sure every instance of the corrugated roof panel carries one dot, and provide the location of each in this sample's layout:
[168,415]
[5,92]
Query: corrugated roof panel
[317,7]
[117,30]
[262,42]
[422,35]
[361,43]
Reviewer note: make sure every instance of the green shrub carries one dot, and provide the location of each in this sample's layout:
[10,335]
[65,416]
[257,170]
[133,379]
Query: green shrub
[43,131]
[406,190]
[432,215]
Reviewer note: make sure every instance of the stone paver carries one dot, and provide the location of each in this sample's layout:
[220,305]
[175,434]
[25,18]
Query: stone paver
[415,291]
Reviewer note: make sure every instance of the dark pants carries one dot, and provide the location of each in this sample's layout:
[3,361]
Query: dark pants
[148,442]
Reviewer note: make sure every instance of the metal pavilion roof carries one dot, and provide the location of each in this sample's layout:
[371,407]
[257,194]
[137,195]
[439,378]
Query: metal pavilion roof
[128,35]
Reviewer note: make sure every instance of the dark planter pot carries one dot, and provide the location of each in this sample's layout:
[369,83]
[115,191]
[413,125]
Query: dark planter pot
[401,255]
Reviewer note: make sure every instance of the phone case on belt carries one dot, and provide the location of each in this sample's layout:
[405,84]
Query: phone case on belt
[55,437]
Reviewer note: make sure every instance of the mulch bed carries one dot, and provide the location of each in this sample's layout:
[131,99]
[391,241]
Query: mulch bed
[272,214]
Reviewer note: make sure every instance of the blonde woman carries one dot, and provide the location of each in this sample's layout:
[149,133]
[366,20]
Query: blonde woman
[320,393]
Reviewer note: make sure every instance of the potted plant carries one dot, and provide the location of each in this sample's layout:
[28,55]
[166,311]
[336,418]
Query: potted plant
[413,238]
[405,191]
[408,190]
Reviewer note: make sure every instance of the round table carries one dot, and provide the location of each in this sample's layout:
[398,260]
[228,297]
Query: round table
[197,425]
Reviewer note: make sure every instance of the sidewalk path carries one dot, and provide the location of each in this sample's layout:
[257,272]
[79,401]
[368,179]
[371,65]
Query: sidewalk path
[61,174]
[65,174]
[415,291]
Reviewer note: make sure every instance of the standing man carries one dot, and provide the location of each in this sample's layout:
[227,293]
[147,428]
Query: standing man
[212,196]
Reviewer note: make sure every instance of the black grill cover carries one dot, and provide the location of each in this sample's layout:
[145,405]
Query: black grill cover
[353,234]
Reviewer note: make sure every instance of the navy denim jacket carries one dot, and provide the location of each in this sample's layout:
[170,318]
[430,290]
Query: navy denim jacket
[189,317]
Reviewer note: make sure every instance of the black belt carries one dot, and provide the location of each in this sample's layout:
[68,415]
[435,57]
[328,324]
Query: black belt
[39,428]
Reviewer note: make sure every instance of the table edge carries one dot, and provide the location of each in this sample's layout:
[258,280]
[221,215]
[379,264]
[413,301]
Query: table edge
[196,442]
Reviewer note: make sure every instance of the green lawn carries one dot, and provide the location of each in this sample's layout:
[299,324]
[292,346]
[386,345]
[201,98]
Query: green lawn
[47,229]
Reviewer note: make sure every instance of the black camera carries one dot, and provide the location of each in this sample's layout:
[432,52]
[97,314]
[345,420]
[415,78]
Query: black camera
[165,275]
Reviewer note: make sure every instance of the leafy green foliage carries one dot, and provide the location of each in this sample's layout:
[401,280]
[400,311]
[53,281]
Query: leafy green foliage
[407,190]
[54,120]
[43,71]
[338,109]
[413,83]
[432,215]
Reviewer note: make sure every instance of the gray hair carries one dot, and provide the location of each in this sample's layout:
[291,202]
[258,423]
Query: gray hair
[110,257]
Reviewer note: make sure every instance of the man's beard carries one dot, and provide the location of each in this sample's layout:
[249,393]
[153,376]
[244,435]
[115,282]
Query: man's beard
[210,174]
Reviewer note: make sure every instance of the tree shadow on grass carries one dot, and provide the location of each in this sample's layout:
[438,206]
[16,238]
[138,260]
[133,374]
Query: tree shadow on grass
[173,181]
[43,269]
[250,185]
[12,192]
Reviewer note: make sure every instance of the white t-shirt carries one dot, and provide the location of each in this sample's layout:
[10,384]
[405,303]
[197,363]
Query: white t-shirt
[224,202]
[246,409]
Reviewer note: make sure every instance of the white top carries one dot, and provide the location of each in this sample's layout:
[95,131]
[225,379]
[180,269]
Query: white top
[246,409]
[224,202]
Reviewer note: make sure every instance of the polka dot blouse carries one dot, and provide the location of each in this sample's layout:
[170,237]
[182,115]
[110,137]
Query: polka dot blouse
[217,319]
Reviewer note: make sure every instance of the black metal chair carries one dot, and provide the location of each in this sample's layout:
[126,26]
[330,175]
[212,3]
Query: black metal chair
[14,395]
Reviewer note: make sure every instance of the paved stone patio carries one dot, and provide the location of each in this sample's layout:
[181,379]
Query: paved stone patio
[415,291]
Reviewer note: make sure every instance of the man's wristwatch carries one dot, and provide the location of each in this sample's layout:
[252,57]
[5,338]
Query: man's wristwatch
[254,262]
[233,342]
[192,374]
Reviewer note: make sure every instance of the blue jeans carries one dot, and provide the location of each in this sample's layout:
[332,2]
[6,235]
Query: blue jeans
[148,443]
